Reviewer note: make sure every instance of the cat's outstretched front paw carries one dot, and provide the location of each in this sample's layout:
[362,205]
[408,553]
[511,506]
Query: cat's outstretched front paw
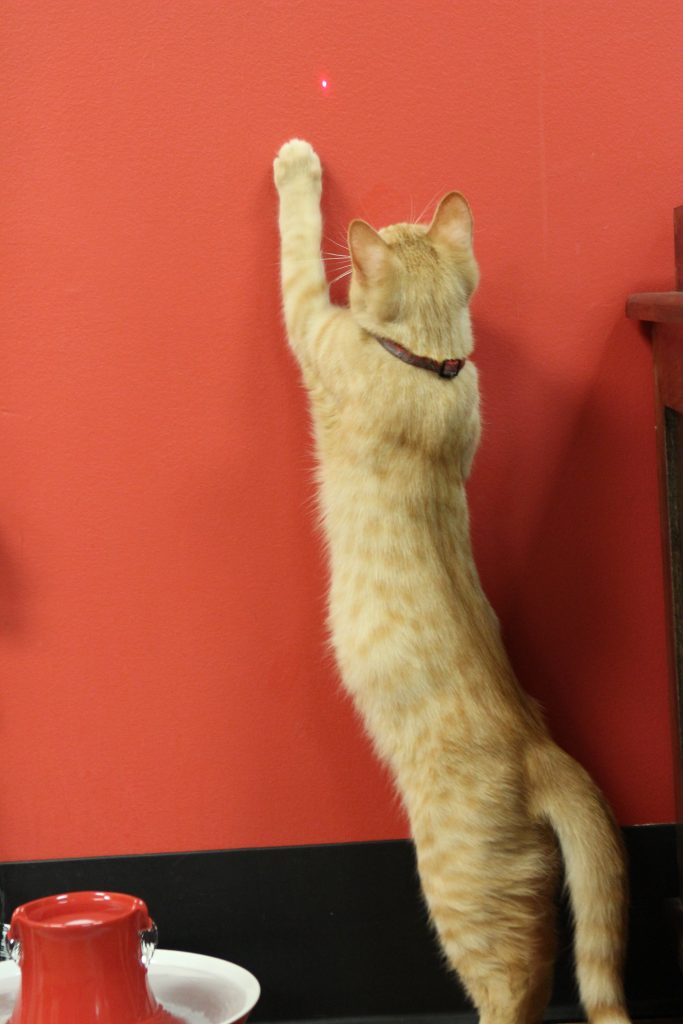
[297,162]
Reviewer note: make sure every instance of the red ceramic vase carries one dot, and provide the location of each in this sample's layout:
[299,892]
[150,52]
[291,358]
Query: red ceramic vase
[81,961]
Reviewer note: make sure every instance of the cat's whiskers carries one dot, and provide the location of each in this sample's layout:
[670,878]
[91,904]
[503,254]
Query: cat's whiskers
[347,273]
[333,241]
[332,258]
[342,241]
[340,261]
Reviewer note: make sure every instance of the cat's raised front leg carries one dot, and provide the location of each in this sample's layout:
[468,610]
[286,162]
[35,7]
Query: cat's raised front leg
[298,175]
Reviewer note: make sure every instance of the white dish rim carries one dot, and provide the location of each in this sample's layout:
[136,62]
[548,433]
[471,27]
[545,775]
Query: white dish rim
[170,958]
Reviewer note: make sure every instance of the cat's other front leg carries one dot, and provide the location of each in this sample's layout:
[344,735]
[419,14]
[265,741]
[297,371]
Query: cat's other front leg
[298,178]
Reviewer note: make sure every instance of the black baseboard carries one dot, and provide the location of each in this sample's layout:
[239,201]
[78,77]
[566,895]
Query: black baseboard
[340,931]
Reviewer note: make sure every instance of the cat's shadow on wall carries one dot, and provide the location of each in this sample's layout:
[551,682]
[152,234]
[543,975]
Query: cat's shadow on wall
[12,594]
[556,551]
[12,626]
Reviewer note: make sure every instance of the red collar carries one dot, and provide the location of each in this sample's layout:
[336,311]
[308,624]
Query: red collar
[447,368]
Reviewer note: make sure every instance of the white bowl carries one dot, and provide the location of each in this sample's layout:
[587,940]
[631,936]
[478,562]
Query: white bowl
[198,989]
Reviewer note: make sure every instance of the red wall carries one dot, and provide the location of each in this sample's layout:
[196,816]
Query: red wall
[166,684]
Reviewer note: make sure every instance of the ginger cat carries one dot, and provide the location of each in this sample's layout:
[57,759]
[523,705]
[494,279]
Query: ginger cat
[491,799]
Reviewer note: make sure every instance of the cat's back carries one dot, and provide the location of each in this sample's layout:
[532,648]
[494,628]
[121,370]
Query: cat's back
[385,409]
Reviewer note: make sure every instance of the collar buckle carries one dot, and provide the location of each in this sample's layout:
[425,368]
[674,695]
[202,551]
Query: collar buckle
[450,368]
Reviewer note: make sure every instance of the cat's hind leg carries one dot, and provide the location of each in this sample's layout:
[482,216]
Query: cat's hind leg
[509,971]
[541,988]
[511,995]
[495,916]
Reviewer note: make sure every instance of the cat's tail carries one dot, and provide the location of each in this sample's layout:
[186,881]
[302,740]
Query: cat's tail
[595,868]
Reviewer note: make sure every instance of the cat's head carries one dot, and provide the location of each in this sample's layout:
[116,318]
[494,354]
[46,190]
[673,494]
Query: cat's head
[413,270]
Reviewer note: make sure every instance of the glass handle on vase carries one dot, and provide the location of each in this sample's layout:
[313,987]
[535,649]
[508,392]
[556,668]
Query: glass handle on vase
[149,938]
[10,949]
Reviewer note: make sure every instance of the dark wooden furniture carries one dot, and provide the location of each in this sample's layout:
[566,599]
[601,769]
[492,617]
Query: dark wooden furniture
[662,315]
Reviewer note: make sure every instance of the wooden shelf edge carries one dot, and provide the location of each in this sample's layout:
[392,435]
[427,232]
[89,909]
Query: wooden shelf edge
[656,307]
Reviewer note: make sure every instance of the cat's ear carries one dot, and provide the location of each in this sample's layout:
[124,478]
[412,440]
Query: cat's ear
[370,254]
[452,223]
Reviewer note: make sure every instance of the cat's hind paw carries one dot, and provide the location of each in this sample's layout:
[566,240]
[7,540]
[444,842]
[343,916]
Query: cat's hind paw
[297,161]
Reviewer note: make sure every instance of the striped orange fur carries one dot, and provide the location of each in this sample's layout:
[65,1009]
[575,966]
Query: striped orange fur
[493,803]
